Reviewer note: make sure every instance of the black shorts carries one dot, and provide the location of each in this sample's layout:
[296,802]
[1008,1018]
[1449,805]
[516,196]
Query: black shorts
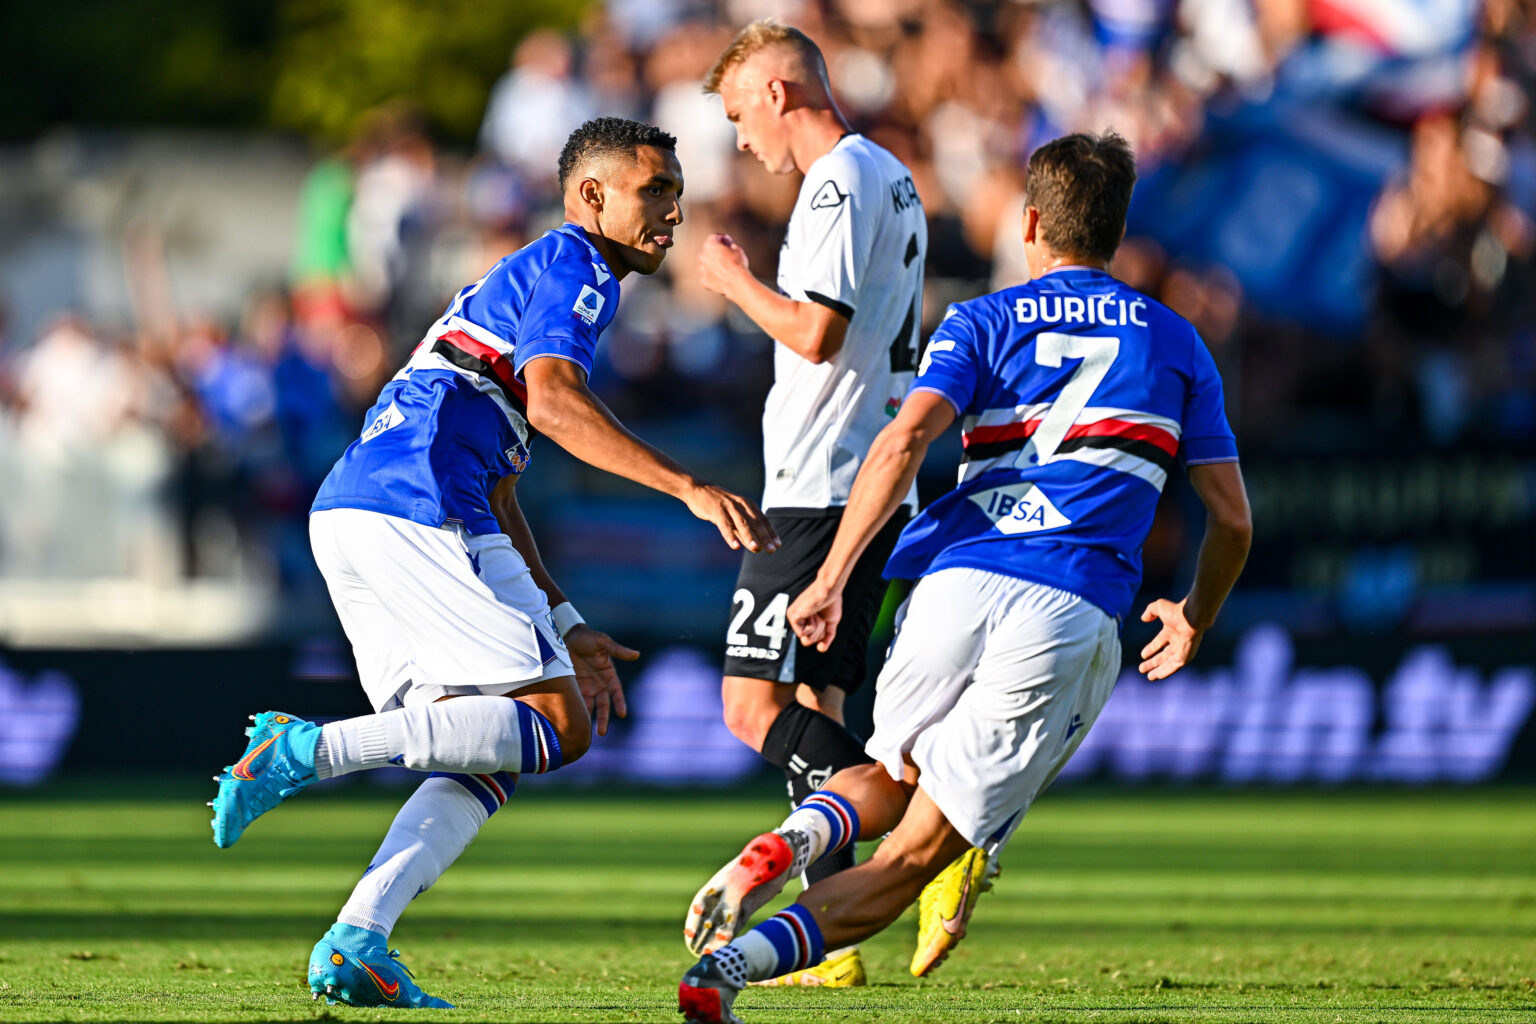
[759,643]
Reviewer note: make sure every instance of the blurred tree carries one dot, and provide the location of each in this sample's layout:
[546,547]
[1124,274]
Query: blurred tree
[338,58]
[141,63]
[311,65]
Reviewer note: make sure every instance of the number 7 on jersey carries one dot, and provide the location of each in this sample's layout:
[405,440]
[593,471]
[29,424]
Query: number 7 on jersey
[1097,353]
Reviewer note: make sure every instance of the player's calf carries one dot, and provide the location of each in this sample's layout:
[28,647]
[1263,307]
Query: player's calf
[475,734]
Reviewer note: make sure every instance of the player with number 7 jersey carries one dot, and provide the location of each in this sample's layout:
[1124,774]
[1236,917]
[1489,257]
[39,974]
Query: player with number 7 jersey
[1077,395]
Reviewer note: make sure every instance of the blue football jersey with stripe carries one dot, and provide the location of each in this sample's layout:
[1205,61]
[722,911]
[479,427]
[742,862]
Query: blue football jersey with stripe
[454,420]
[1077,394]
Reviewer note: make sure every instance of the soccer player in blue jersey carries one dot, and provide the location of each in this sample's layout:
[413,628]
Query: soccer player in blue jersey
[1077,394]
[435,575]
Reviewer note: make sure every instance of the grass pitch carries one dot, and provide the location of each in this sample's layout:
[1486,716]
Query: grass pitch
[1113,906]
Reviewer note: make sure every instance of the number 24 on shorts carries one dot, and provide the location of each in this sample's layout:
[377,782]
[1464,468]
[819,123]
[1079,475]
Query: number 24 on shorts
[770,624]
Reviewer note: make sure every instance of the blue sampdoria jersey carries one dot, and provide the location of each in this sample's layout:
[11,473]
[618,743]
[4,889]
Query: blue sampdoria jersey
[1077,394]
[454,420]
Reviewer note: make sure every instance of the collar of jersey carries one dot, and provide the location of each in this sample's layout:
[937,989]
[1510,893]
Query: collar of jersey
[1073,266]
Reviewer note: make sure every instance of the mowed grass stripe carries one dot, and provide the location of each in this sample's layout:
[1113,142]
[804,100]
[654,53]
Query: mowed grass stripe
[1114,906]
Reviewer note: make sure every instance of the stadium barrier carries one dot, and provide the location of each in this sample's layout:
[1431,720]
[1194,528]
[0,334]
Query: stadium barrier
[1269,709]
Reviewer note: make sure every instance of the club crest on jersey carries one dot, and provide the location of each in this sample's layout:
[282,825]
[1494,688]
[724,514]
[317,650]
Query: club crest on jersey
[827,196]
[391,417]
[1020,508]
[588,304]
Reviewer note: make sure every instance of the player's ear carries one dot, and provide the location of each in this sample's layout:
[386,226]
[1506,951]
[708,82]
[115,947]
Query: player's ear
[778,95]
[1031,225]
[591,191]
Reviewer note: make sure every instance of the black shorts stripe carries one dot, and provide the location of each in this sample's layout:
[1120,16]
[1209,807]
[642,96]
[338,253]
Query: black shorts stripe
[1131,446]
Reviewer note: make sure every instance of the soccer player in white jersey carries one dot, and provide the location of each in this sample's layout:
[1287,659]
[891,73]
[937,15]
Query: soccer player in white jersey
[845,319]
[435,575]
[1077,395]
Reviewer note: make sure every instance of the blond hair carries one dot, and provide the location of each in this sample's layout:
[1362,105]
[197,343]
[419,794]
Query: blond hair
[764,34]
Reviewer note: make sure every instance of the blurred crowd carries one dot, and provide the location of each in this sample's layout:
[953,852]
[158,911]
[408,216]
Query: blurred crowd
[220,432]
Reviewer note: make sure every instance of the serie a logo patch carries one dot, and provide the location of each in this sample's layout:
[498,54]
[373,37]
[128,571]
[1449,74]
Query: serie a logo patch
[588,304]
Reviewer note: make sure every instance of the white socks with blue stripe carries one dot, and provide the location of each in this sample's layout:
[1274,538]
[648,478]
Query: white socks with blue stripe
[431,830]
[828,820]
[791,940]
[474,734]
[788,941]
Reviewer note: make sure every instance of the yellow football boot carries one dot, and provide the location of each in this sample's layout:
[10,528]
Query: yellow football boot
[945,906]
[842,969]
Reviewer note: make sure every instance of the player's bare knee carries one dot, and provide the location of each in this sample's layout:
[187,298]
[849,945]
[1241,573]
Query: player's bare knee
[574,729]
[745,723]
[751,705]
[561,704]
[574,742]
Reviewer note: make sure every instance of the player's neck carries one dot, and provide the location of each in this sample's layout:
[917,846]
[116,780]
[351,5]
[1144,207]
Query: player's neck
[605,246]
[1042,263]
[817,131]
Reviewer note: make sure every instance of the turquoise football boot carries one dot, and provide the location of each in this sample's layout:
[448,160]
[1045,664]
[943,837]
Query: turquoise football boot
[356,966]
[277,763]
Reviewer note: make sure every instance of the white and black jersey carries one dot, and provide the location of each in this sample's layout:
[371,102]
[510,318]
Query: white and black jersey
[856,243]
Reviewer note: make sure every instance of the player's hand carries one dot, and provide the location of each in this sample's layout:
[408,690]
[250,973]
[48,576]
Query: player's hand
[739,521]
[592,655]
[814,615]
[1174,645]
[720,260]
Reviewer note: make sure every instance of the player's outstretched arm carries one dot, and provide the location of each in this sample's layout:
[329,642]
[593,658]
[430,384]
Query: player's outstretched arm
[563,408]
[883,482]
[808,329]
[1228,532]
[592,652]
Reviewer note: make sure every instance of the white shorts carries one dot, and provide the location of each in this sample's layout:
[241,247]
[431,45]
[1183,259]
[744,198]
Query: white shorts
[433,612]
[991,684]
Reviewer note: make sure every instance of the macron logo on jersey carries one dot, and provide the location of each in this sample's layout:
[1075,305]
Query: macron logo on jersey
[1020,508]
[588,304]
[391,417]
[827,196]
[602,275]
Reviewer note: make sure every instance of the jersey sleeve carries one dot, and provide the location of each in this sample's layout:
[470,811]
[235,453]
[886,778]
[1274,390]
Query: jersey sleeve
[951,364]
[831,254]
[1206,437]
[563,317]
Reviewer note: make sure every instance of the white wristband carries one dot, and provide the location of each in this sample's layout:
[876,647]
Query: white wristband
[566,618]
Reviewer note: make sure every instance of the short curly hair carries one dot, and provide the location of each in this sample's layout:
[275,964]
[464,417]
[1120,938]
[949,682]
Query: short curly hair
[604,135]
